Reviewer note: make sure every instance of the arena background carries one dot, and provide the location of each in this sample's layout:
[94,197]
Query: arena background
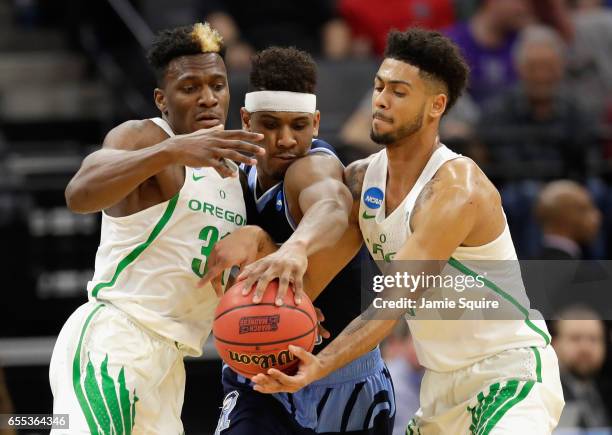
[71,70]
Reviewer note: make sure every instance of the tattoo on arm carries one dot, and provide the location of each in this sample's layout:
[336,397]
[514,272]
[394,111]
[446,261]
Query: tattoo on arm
[356,324]
[354,179]
[425,194]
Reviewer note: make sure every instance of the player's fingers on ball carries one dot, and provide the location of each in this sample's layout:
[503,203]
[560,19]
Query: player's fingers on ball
[260,289]
[320,315]
[301,353]
[283,285]
[248,285]
[298,288]
[323,332]
[251,271]
[246,275]
[245,272]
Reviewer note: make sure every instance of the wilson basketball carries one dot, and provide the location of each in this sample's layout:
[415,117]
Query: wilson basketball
[252,338]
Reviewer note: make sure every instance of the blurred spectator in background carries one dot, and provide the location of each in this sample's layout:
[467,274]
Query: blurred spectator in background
[590,58]
[570,222]
[537,129]
[400,356]
[568,217]
[370,21]
[248,26]
[580,340]
[6,405]
[458,130]
[487,40]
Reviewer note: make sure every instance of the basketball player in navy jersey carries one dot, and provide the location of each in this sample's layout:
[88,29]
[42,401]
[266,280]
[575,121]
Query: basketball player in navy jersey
[303,204]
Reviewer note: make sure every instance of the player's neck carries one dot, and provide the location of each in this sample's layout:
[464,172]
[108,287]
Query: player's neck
[264,182]
[407,159]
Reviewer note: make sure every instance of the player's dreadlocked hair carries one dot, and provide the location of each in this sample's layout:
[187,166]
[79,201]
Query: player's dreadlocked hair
[436,56]
[182,41]
[283,69]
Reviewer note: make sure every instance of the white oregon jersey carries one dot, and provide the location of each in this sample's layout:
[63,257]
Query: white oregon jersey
[148,263]
[445,345]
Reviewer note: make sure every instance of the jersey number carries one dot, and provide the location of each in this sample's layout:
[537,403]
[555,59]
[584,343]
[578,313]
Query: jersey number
[209,235]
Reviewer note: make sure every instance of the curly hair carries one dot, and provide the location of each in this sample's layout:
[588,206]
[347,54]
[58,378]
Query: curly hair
[182,41]
[436,56]
[283,69]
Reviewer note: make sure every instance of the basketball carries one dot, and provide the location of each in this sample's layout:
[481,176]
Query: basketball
[252,338]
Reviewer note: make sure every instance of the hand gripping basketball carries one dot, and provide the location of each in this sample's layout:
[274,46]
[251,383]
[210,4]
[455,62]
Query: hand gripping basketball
[252,338]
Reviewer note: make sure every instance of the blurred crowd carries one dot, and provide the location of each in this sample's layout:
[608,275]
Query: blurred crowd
[539,102]
[537,118]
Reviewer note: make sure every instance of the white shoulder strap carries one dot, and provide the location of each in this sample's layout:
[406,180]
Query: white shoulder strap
[163,124]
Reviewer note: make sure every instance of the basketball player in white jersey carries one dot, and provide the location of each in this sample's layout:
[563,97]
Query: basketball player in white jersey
[167,193]
[417,200]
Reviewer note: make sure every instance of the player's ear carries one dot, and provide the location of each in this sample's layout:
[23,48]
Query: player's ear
[316,122]
[246,119]
[160,100]
[438,105]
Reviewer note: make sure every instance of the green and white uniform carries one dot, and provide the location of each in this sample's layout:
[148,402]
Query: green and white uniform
[470,360]
[117,366]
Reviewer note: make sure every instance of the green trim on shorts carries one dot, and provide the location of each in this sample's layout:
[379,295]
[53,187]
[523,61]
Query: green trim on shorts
[509,404]
[492,407]
[129,259]
[104,413]
[409,429]
[76,377]
[110,395]
[467,271]
[536,352]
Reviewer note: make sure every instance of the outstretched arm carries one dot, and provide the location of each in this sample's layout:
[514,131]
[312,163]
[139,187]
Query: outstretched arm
[454,205]
[320,203]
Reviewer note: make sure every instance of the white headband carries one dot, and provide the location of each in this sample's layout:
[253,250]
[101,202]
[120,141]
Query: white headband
[280,101]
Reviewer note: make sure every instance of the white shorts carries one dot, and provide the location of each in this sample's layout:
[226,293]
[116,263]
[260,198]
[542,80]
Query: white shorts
[517,391]
[114,376]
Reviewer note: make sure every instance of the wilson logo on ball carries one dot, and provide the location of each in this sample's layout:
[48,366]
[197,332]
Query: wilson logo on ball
[258,324]
[264,361]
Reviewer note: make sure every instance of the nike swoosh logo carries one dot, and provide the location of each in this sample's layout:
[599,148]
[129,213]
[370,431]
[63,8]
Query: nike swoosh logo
[365,215]
[196,178]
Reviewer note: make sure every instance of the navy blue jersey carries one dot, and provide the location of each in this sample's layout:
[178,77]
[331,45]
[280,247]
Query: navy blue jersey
[340,301]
